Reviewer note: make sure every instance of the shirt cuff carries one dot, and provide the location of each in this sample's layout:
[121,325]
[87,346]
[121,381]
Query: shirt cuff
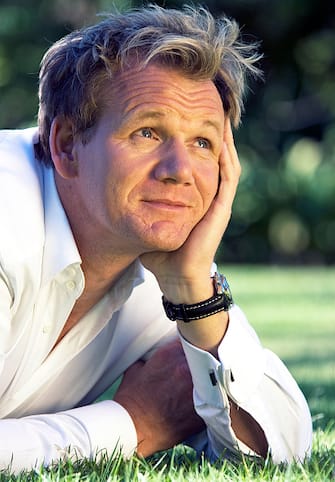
[243,358]
[109,428]
[240,366]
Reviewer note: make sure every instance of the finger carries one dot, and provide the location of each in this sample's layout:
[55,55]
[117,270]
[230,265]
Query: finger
[229,174]
[230,171]
[232,159]
[230,167]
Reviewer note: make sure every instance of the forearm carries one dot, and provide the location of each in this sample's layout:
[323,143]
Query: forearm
[205,333]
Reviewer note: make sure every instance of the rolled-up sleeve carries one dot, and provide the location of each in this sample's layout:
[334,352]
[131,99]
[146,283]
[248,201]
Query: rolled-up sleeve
[257,381]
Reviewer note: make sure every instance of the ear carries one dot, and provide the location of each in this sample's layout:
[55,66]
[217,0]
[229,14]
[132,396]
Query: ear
[62,150]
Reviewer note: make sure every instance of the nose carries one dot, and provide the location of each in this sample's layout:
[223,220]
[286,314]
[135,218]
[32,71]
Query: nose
[175,165]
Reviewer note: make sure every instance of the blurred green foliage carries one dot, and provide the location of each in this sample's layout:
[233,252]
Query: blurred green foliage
[285,208]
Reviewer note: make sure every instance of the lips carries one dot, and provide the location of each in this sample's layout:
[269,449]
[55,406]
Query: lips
[167,202]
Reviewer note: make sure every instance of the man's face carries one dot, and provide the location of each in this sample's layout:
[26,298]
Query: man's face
[151,170]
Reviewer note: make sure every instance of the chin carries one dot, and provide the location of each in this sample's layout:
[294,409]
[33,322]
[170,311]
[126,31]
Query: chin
[164,241]
[162,235]
[163,245]
[169,247]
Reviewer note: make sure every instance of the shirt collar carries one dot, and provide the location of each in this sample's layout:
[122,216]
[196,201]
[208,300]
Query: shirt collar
[60,249]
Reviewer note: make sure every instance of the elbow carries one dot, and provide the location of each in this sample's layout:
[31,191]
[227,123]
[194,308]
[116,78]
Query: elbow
[293,440]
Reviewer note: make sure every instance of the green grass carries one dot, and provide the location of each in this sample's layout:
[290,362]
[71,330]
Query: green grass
[292,310]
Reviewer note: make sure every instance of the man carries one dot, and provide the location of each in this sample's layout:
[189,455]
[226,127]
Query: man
[120,198]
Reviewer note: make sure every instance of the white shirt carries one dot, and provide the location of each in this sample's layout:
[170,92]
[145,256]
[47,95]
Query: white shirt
[47,395]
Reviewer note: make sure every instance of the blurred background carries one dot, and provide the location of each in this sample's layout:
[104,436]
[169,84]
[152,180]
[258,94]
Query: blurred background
[285,209]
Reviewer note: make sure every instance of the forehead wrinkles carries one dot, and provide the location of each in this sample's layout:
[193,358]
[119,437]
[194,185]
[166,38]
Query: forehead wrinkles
[169,89]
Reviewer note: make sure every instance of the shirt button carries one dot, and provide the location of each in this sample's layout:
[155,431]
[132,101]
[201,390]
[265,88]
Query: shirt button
[72,271]
[70,285]
[46,328]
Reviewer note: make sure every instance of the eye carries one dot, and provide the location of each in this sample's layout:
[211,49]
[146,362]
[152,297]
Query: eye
[203,143]
[147,132]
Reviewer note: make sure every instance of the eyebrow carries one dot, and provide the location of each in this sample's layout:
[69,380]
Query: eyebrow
[155,114]
[212,124]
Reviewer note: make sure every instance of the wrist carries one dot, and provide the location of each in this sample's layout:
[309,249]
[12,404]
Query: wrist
[188,292]
[219,300]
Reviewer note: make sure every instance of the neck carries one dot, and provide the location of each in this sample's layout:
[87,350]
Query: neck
[104,260]
[102,272]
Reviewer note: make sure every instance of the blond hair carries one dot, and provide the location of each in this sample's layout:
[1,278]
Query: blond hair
[75,69]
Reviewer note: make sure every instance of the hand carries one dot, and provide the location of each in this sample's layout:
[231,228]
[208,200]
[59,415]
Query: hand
[183,275]
[158,396]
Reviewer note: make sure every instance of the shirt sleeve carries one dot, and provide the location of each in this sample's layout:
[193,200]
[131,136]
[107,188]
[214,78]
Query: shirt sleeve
[257,381]
[90,431]
[31,441]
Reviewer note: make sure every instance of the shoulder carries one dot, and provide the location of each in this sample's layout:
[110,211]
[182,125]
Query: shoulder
[21,196]
[16,142]
[17,161]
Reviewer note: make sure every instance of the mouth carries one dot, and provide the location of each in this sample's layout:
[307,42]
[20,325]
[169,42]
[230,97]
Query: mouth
[167,204]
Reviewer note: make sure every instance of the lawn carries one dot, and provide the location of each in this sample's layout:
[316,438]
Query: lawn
[292,310]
